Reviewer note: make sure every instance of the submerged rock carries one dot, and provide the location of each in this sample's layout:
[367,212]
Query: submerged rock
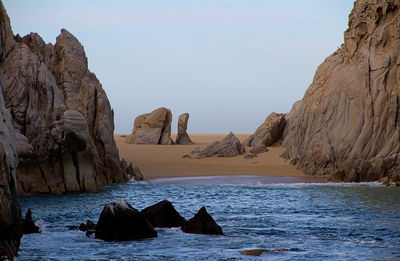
[152,128]
[230,146]
[163,214]
[202,223]
[182,137]
[121,222]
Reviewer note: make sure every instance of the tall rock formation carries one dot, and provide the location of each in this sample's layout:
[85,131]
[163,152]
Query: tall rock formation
[152,128]
[10,212]
[183,137]
[347,124]
[62,117]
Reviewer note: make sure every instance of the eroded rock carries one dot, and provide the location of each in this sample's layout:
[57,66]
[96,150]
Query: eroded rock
[152,128]
[346,125]
[269,132]
[230,146]
[28,224]
[182,137]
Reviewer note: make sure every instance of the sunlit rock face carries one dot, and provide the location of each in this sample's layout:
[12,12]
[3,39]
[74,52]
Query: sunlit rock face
[62,117]
[347,124]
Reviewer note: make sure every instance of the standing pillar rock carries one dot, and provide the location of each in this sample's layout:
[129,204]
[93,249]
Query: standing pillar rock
[182,137]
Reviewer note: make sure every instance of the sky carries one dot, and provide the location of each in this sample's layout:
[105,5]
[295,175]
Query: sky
[228,63]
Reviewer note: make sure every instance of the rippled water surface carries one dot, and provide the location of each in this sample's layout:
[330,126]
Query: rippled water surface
[310,221]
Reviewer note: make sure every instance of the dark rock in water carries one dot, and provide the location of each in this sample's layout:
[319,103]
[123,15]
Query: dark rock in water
[29,226]
[88,226]
[258,149]
[121,222]
[182,137]
[163,214]
[202,223]
[254,252]
[230,146]
[130,171]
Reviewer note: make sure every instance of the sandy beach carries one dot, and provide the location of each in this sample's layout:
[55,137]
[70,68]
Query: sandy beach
[165,161]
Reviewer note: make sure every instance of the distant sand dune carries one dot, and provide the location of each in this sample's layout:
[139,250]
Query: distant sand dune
[162,161]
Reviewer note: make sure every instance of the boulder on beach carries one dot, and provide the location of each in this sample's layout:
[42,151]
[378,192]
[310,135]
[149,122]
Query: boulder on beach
[258,149]
[121,222]
[163,214]
[230,146]
[269,132]
[131,171]
[182,137]
[152,128]
[202,223]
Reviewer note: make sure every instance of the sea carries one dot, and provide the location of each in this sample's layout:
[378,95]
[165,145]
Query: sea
[290,220]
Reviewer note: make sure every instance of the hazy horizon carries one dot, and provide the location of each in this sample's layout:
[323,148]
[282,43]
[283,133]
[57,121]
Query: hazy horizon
[227,63]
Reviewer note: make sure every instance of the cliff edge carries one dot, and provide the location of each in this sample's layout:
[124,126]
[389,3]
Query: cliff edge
[347,124]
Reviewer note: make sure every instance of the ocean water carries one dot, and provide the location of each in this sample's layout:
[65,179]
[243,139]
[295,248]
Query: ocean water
[296,221]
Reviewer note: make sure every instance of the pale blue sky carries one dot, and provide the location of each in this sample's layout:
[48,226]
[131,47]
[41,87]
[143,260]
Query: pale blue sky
[229,63]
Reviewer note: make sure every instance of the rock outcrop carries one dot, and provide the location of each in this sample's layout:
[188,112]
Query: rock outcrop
[182,137]
[62,117]
[152,128]
[229,146]
[121,222]
[202,223]
[10,211]
[269,132]
[28,224]
[347,125]
[163,214]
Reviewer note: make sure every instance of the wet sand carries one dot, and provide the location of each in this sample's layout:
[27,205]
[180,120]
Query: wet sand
[165,161]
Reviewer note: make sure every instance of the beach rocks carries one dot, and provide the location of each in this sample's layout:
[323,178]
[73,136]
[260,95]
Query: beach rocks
[258,149]
[202,223]
[163,214]
[230,146]
[349,114]
[182,137]
[28,225]
[10,211]
[131,171]
[62,116]
[121,222]
[269,132]
[152,128]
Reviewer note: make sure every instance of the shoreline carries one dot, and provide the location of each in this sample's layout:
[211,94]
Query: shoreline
[165,161]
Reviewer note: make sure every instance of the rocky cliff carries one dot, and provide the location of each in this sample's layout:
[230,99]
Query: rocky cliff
[10,212]
[347,124]
[61,114]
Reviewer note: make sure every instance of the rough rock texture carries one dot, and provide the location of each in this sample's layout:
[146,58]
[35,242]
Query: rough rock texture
[163,214]
[130,171]
[202,223]
[347,124]
[152,128]
[229,146]
[258,149]
[269,132]
[120,222]
[182,137]
[10,211]
[62,116]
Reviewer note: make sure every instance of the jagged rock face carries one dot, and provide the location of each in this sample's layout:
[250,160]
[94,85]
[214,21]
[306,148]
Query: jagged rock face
[63,118]
[347,124]
[182,137]
[10,211]
[229,146]
[269,132]
[152,128]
